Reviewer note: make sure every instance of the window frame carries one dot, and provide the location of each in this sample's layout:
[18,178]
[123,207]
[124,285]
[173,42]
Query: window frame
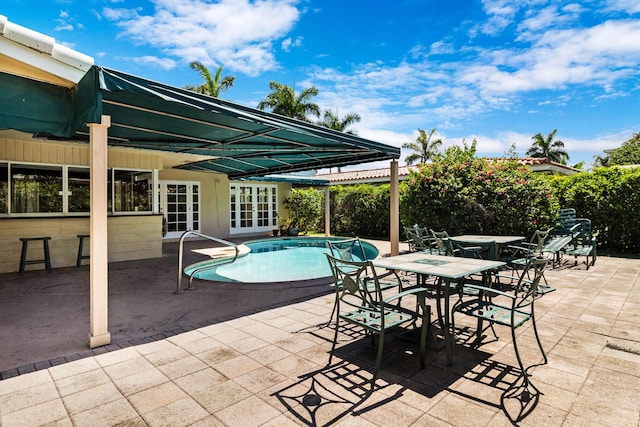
[66,194]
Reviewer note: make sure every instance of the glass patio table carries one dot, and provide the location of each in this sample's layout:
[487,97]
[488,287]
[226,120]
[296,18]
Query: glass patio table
[447,269]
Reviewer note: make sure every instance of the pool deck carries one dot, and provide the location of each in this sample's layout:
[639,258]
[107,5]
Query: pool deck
[206,356]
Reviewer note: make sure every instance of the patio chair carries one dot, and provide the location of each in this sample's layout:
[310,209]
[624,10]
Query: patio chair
[563,233]
[564,222]
[584,243]
[484,250]
[521,253]
[442,242]
[352,250]
[512,308]
[347,249]
[359,301]
[418,239]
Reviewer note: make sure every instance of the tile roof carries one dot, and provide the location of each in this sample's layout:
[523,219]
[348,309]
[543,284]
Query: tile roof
[537,164]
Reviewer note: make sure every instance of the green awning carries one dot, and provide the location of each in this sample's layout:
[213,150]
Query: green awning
[237,141]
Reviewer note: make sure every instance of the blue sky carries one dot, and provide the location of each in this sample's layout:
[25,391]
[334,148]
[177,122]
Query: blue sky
[498,71]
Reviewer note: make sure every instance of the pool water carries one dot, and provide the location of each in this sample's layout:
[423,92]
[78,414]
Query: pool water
[276,260]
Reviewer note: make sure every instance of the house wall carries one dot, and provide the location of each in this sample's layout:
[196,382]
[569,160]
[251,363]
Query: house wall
[63,153]
[130,236]
[214,199]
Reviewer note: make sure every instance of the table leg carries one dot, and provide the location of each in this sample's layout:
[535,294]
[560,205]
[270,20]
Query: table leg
[448,333]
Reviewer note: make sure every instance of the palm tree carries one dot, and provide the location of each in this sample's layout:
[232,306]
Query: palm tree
[547,147]
[424,148]
[332,121]
[211,86]
[283,100]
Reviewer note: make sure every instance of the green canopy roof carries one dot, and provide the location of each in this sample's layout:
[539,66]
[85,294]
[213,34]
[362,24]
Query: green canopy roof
[237,140]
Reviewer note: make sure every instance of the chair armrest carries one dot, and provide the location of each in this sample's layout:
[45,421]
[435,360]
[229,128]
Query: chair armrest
[484,289]
[505,276]
[404,293]
[524,246]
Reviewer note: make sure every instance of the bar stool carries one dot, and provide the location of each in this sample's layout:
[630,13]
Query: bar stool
[23,257]
[80,257]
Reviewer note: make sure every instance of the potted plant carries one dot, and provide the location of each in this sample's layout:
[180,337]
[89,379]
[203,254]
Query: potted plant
[275,230]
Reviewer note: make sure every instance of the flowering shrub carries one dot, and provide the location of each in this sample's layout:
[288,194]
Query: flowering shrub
[464,194]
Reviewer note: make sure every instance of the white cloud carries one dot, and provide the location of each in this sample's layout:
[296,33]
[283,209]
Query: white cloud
[238,34]
[563,57]
[501,14]
[288,43]
[64,21]
[164,63]
[629,6]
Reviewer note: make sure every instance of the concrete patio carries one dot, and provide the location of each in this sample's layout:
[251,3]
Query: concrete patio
[219,357]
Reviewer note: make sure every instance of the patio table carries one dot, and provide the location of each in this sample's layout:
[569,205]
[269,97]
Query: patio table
[446,269]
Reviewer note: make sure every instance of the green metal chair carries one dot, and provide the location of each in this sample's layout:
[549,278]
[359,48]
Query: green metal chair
[442,242]
[347,249]
[484,250]
[520,253]
[418,239]
[352,250]
[535,248]
[512,308]
[584,243]
[359,301]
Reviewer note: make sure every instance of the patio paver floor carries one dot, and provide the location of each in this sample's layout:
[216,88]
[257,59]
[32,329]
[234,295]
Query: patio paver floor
[270,368]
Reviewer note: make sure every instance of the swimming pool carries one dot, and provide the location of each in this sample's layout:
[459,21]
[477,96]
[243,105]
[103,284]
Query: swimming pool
[275,260]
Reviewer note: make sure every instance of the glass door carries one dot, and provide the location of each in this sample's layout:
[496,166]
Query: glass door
[180,201]
[253,208]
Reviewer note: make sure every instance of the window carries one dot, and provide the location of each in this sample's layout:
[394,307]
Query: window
[79,189]
[131,190]
[66,190]
[36,189]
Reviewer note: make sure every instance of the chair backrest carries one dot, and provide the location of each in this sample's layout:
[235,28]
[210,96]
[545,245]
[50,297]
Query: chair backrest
[442,241]
[565,220]
[356,279]
[538,241]
[422,231]
[484,250]
[416,238]
[584,236]
[347,249]
[527,287]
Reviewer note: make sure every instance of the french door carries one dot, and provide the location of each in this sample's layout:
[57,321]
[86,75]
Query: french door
[253,208]
[180,201]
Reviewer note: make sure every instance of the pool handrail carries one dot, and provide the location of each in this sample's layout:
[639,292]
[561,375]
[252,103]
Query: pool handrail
[204,236]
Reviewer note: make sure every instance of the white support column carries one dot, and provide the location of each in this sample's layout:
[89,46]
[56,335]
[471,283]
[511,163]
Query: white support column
[394,209]
[327,211]
[98,271]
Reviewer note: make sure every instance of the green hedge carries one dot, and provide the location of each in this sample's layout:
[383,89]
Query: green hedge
[360,210]
[610,198]
[490,197]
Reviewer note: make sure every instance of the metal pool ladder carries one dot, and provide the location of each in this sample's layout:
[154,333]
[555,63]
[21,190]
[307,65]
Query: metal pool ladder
[204,236]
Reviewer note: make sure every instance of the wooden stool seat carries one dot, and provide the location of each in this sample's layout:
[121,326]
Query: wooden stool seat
[80,257]
[23,257]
